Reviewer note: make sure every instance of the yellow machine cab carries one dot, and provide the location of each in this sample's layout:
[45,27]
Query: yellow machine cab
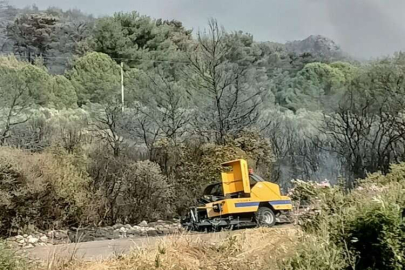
[242,198]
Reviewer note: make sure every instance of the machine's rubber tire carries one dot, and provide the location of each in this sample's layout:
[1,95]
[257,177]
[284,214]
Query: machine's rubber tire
[265,217]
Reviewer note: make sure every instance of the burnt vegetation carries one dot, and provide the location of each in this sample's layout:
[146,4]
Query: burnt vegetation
[74,152]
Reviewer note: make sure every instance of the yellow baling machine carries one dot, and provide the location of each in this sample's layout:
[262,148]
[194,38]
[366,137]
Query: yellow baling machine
[241,199]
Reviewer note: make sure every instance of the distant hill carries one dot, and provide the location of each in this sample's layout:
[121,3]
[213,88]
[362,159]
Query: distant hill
[316,45]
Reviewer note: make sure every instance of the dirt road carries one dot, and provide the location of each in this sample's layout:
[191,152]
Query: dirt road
[101,250]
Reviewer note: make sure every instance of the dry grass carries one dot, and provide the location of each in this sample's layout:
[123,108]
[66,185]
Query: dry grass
[249,249]
[57,262]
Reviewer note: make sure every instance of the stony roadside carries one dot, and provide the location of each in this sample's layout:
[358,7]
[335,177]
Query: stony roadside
[105,250]
[87,234]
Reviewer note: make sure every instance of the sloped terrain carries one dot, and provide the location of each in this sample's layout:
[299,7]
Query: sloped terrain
[247,249]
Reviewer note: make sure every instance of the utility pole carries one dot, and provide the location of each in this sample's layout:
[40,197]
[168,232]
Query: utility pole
[122,85]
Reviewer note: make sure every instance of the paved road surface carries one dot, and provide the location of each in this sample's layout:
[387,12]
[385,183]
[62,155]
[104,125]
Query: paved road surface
[100,250]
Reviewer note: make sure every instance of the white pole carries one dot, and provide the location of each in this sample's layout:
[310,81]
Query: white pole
[122,85]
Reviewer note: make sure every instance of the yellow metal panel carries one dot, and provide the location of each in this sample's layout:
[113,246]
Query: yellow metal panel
[236,179]
[265,191]
[238,206]
[233,206]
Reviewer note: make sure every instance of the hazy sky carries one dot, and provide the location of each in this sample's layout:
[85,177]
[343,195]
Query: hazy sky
[364,28]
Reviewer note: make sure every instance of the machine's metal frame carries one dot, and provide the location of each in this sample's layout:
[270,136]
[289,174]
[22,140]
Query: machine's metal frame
[243,194]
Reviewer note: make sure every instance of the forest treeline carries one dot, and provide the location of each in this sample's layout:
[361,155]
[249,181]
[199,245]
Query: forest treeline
[73,154]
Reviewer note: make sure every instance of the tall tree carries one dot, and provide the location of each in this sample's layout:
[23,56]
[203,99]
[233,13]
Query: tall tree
[22,86]
[31,35]
[96,78]
[138,40]
[69,38]
[165,101]
[316,87]
[315,83]
[108,120]
[7,15]
[368,129]
[63,91]
[228,102]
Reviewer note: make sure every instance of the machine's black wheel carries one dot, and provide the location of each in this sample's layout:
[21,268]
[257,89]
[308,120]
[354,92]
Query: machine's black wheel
[265,217]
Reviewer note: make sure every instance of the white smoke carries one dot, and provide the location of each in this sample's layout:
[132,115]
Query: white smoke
[363,28]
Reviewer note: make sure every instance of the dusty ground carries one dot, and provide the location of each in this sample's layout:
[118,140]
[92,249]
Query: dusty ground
[101,250]
[240,249]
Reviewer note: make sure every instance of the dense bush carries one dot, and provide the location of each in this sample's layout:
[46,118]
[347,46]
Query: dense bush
[396,175]
[146,193]
[55,189]
[191,166]
[42,190]
[126,190]
[80,182]
[366,225]
[317,252]
[377,236]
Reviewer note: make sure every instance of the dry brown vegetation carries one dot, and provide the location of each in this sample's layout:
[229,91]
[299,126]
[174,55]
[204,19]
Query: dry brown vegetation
[360,229]
[40,189]
[57,188]
[262,248]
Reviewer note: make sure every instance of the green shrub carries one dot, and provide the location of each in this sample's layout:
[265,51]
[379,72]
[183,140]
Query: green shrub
[317,253]
[396,174]
[258,150]
[321,200]
[377,235]
[192,166]
[304,192]
[9,260]
[367,225]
